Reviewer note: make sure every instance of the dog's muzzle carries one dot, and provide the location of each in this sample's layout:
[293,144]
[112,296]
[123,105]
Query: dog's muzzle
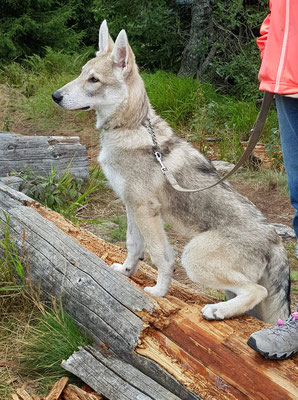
[57,96]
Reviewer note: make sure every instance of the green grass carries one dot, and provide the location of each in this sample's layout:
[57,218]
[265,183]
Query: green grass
[167,227]
[5,386]
[51,338]
[175,99]
[12,274]
[119,233]
[33,343]
[294,276]
[291,250]
[37,78]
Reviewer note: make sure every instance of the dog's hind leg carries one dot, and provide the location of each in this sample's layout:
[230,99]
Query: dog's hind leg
[135,247]
[211,261]
[248,295]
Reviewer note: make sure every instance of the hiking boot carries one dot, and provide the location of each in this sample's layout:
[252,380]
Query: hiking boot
[278,342]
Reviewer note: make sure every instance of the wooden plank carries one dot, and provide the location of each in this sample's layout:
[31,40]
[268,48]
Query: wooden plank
[42,153]
[101,379]
[72,392]
[23,394]
[57,389]
[114,378]
[210,381]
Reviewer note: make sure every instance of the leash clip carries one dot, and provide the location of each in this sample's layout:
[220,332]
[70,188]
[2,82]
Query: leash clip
[158,157]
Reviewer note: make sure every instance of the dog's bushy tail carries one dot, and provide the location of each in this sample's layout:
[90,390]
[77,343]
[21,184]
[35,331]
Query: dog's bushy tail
[276,280]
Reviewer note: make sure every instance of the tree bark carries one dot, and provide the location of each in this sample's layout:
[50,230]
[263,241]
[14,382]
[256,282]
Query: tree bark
[197,47]
[146,347]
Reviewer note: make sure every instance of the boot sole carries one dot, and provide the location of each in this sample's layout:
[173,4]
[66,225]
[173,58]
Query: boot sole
[253,344]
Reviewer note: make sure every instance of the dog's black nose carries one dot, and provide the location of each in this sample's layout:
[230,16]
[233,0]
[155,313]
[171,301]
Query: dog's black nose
[57,96]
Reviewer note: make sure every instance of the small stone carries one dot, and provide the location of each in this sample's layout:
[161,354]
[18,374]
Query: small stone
[223,166]
[284,231]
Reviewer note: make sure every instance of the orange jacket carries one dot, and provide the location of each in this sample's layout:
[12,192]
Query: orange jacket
[279,48]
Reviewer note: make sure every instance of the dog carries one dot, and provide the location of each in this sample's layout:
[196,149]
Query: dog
[230,244]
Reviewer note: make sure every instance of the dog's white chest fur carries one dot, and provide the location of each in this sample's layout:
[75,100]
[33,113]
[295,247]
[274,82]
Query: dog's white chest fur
[112,174]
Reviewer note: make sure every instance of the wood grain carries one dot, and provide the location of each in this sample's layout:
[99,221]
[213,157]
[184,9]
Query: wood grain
[57,389]
[42,153]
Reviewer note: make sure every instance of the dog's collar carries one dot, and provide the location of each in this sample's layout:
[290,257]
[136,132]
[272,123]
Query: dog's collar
[108,127]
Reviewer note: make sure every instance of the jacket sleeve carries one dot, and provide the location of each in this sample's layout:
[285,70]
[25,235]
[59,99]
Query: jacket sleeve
[261,41]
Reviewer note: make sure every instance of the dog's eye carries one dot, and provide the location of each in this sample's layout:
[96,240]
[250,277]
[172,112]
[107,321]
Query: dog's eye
[93,79]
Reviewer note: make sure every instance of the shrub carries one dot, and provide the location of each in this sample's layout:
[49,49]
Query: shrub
[61,192]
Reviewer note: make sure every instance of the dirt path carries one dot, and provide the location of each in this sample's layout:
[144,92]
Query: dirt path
[273,204]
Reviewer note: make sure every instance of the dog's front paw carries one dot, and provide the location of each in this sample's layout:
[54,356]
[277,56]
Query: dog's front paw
[212,312]
[156,290]
[122,269]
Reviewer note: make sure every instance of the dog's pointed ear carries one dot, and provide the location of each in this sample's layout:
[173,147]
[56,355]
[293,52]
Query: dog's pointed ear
[121,51]
[105,42]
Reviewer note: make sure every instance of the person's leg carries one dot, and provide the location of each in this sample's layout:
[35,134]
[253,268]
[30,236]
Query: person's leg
[281,341]
[287,112]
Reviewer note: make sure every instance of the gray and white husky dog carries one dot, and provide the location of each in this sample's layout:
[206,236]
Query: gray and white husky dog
[230,244]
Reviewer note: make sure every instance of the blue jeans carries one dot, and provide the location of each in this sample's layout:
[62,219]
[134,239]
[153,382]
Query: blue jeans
[287,113]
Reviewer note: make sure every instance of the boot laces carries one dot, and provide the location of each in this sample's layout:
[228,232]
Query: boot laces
[291,324]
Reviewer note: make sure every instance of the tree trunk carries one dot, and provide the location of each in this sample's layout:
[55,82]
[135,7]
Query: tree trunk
[197,47]
[147,348]
[42,153]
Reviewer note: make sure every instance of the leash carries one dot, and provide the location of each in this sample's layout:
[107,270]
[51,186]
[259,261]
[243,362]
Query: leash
[255,132]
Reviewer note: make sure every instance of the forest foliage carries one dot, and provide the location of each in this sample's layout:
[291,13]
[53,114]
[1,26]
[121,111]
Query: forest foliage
[158,31]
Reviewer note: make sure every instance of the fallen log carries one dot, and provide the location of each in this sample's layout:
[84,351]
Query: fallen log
[41,154]
[158,348]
